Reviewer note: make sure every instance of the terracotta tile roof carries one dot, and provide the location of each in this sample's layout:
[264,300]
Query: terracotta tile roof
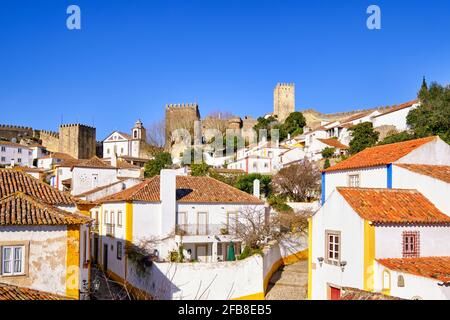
[58,155]
[438,172]
[68,163]
[189,189]
[437,268]
[356,294]
[335,143]
[399,107]
[10,292]
[29,169]
[12,181]
[393,206]
[13,144]
[94,162]
[25,210]
[380,155]
[357,116]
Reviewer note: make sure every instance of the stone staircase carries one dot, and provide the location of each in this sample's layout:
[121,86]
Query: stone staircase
[289,282]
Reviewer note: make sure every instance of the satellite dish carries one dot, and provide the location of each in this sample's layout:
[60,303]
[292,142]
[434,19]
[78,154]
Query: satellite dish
[14,140]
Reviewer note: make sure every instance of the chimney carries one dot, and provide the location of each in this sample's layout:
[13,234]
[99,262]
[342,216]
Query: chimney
[114,157]
[12,163]
[167,195]
[256,186]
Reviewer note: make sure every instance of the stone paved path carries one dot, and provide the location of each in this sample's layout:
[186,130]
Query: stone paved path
[289,283]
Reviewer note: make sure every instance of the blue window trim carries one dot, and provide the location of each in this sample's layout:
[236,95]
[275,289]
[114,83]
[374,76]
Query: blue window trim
[323,188]
[389,176]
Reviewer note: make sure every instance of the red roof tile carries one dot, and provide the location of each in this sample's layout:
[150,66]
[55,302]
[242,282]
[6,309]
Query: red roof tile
[10,292]
[356,294]
[335,143]
[393,206]
[25,210]
[189,189]
[380,155]
[12,181]
[399,107]
[437,268]
[438,172]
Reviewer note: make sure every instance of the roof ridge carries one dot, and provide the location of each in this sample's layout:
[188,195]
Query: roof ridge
[229,186]
[41,183]
[42,205]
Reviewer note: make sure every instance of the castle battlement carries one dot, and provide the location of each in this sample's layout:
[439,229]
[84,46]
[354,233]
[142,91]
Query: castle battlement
[10,126]
[182,105]
[71,125]
[282,84]
[49,133]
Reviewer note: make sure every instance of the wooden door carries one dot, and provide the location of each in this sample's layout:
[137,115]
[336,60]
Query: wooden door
[335,293]
[202,253]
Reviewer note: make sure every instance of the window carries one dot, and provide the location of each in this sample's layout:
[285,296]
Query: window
[19,160]
[19,150]
[3,159]
[105,217]
[119,218]
[94,180]
[254,165]
[121,150]
[333,246]
[107,151]
[266,165]
[3,149]
[119,250]
[135,133]
[411,244]
[353,180]
[12,260]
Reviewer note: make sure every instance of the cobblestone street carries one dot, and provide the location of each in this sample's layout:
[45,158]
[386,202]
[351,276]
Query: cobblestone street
[289,282]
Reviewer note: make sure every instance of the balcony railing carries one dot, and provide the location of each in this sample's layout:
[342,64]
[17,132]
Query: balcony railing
[94,227]
[109,229]
[204,229]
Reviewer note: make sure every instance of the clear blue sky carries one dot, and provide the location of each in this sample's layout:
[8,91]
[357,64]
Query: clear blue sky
[132,57]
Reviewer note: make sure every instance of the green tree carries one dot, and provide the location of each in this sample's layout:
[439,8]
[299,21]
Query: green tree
[363,136]
[268,124]
[245,183]
[201,169]
[432,117]
[327,164]
[294,123]
[153,167]
[328,152]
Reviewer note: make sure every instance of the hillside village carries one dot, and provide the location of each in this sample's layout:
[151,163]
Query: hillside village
[291,205]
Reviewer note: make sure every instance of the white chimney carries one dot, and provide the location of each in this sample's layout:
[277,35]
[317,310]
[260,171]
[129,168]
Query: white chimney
[167,195]
[114,158]
[256,186]
[12,163]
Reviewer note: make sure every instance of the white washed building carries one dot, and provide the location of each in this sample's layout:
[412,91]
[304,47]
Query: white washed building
[14,154]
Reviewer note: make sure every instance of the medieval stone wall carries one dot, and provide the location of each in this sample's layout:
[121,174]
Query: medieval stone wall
[77,140]
[180,116]
[49,139]
[10,131]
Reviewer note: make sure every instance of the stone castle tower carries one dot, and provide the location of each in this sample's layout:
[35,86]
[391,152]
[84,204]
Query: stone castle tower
[77,140]
[283,100]
[180,116]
